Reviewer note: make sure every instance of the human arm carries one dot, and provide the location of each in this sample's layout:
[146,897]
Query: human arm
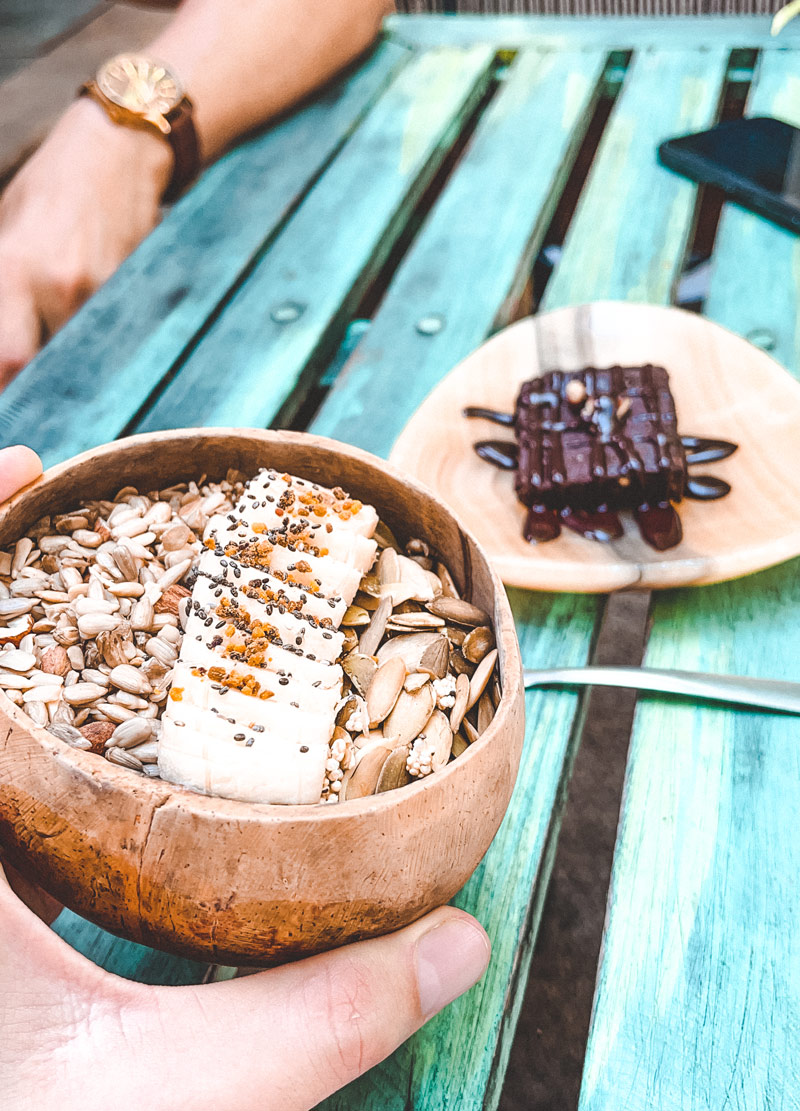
[92,191]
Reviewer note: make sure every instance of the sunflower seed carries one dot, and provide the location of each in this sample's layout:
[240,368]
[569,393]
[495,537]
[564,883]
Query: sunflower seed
[142,614]
[388,566]
[42,693]
[70,734]
[80,694]
[16,660]
[93,604]
[147,752]
[93,623]
[15,607]
[22,550]
[130,680]
[124,758]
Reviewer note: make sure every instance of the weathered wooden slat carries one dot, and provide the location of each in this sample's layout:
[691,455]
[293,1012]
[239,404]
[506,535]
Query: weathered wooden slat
[567,32]
[108,359]
[458,1059]
[473,254]
[294,304]
[628,236]
[697,998]
[125,958]
[477,241]
[755,281]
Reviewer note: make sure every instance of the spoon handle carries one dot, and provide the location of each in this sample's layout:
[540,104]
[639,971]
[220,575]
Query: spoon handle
[767,694]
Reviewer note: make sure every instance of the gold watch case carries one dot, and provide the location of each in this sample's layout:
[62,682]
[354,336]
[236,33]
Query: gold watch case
[141,86]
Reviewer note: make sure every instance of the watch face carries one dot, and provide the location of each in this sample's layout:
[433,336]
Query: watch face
[139,84]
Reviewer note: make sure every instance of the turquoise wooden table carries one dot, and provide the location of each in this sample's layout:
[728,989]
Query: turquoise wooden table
[328,273]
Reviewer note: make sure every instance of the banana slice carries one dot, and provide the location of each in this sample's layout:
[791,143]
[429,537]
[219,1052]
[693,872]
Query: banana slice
[342,545]
[210,754]
[232,614]
[283,688]
[305,726]
[278,657]
[270,589]
[278,496]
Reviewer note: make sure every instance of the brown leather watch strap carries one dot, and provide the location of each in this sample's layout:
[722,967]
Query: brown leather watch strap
[183,140]
[182,136]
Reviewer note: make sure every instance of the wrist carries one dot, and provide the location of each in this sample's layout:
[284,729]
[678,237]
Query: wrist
[150,153]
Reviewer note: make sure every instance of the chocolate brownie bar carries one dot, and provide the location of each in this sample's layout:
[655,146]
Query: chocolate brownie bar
[596,441]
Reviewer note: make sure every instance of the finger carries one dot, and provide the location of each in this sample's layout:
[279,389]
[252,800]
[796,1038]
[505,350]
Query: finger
[19,465]
[20,331]
[290,1037]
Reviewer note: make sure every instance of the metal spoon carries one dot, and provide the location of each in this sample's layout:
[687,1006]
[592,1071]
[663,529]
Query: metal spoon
[767,694]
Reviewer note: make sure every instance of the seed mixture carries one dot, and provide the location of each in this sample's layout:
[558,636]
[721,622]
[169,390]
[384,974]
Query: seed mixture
[98,609]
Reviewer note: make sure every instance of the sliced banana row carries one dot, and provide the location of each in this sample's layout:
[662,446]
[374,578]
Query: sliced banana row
[252,706]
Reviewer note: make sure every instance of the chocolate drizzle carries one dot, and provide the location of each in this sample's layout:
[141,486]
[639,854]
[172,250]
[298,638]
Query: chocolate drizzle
[592,442]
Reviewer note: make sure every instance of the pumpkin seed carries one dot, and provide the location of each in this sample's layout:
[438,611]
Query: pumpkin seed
[384,536]
[469,729]
[460,705]
[388,566]
[410,646]
[416,621]
[477,643]
[409,714]
[481,677]
[439,738]
[435,658]
[373,634]
[365,776]
[414,682]
[384,689]
[355,617]
[485,712]
[458,611]
[460,745]
[361,669]
[394,772]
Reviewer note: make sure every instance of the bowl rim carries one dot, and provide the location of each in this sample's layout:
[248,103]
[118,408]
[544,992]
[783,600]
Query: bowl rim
[107,775]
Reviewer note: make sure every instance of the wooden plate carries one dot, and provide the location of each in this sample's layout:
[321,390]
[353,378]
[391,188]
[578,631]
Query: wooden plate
[723,388]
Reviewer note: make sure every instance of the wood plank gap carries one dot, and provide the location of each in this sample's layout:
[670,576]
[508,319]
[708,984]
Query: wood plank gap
[402,144]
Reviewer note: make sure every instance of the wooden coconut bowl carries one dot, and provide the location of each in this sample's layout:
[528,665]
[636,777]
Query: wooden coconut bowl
[228,881]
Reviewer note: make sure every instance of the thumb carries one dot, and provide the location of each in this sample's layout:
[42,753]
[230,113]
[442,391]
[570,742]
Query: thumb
[18,466]
[289,1037]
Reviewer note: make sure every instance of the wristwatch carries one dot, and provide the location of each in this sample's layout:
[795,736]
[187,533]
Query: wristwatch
[137,91]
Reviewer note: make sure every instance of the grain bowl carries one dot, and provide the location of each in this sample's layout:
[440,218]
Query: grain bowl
[227,880]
